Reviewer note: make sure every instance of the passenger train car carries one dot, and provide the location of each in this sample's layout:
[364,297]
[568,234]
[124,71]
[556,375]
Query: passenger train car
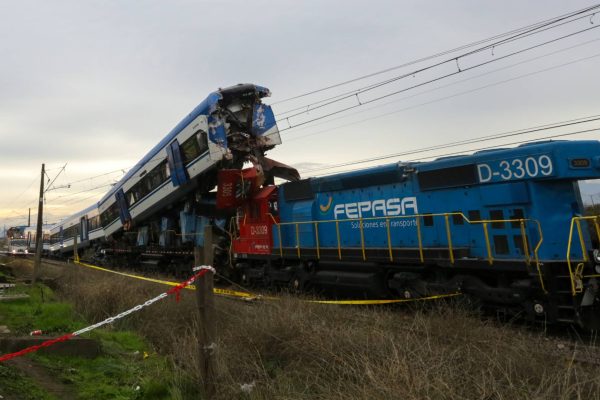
[30,239]
[506,226]
[170,187]
[84,224]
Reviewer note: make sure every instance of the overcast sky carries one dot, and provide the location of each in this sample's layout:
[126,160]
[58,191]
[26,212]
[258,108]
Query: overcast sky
[96,84]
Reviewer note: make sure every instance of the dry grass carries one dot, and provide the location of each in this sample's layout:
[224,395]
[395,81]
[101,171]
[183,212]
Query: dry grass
[293,350]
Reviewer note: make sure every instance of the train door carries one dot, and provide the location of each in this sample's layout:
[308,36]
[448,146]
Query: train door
[176,166]
[123,208]
[83,228]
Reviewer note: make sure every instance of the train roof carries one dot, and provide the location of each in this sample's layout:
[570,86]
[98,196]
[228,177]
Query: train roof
[33,228]
[206,107]
[387,173]
[75,217]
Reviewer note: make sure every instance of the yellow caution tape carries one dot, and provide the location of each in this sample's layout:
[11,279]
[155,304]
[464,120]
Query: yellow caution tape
[388,301]
[250,296]
[222,292]
[133,276]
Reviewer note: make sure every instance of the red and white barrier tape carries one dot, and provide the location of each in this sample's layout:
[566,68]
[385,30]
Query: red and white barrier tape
[174,290]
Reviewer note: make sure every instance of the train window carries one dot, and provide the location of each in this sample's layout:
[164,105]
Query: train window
[517,214]
[190,149]
[70,232]
[151,181]
[109,215]
[202,141]
[428,220]
[130,196]
[94,223]
[474,215]
[457,219]
[518,242]
[497,215]
[500,244]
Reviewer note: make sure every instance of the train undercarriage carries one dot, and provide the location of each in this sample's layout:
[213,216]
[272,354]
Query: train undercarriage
[512,292]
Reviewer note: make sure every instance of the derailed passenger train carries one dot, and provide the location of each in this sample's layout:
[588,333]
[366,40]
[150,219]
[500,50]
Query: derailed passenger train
[505,226]
[171,186]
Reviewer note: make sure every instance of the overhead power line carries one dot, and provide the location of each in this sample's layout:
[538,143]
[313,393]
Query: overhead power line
[459,71]
[501,135]
[533,26]
[451,96]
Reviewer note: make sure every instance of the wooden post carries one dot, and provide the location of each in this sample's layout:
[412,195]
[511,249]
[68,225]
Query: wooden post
[206,308]
[39,240]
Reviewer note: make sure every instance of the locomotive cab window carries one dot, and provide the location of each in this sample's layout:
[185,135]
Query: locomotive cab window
[501,244]
[457,218]
[497,215]
[428,220]
[517,214]
[474,215]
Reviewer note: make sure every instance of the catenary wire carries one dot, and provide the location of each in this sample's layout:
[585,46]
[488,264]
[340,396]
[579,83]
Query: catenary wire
[441,98]
[362,103]
[534,25]
[327,101]
[502,135]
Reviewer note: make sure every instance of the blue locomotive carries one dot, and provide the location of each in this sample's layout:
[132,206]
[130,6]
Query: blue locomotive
[505,225]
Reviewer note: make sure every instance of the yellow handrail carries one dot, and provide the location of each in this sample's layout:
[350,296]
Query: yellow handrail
[487,243]
[298,239]
[537,259]
[449,236]
[575,277]
[525,245]
[317,239]
[337,231]
[420,239]
[362,239]
[522,222]
[389,238]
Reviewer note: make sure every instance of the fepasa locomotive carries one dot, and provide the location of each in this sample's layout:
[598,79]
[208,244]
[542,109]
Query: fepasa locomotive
[505,226]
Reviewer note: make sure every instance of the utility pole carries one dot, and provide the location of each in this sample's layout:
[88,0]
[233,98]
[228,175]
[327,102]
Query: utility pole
[206,308]
[39,240]
[29,218]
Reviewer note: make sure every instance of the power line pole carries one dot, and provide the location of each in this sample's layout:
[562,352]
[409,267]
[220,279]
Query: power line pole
[29,218]
[206,308]
[38,231]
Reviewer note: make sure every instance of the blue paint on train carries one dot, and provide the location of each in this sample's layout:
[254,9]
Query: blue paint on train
[536,182]
[206,107]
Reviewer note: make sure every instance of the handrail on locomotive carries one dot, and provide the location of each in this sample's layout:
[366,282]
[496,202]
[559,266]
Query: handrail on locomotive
[577,275]
[484,223]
